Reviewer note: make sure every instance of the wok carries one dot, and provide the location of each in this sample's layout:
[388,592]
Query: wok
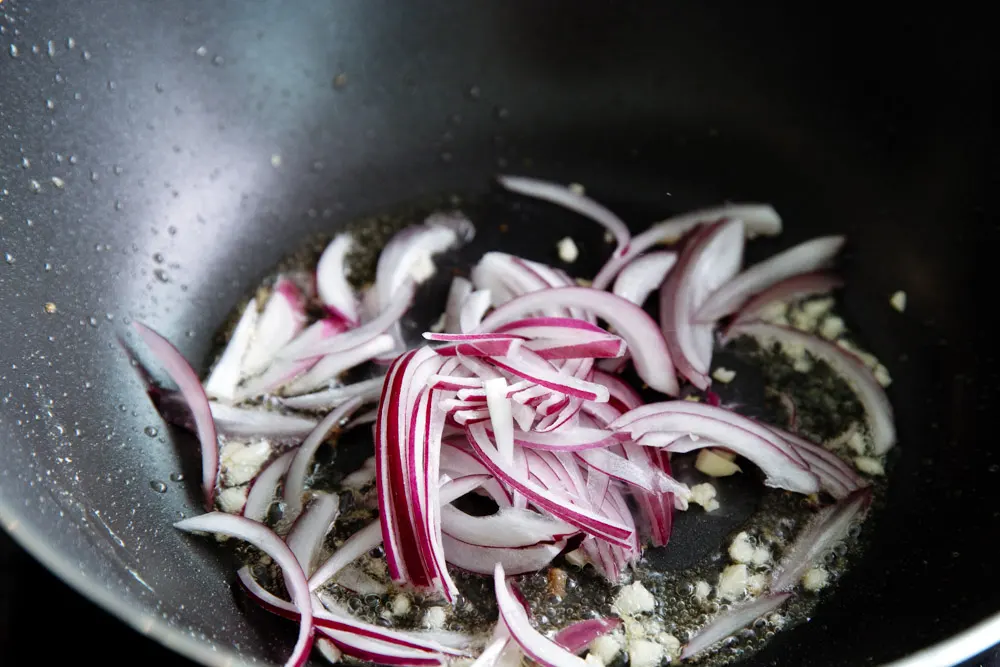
[158,158]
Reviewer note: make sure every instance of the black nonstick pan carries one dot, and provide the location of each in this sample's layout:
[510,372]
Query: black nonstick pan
[158,159]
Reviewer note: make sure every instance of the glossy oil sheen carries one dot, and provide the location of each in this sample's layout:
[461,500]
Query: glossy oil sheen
[168,154]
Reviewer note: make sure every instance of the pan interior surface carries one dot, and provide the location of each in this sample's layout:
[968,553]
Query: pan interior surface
[158,159]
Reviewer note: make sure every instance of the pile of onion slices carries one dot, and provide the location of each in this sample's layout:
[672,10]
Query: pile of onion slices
[518,397]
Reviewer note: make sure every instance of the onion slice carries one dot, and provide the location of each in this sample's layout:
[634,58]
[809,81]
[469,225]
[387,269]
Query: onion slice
[333,364]
[298,470]
[846,365]
[370,536]
[581,517]
[187,381]
[280,322]
[264,486]
[225,375]
[509,528]
[264,539]
[535,645]
[731,620]
[576,637]
[711,257]
[802,259]
[366,390]
[481,560]
[645,274]
[827,529]
[334,289]
[459,290]
[790,289]
[645,341]
[578,203]
[760,219]
[237,422]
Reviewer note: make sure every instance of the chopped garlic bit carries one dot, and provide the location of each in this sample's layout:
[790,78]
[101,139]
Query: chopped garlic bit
[817,307]
[802,365]
[434,618]
[593,661]
[832,327]
[276,160]
[761,556]
[438,325]
[869,466]
[577,189]
[671,644]
[802,320]
[741,549]
[702,589]
[241,461]
[713,464]
[757,583]
[645,653]
[724,375]
[704,495]
[231,500]
[567,249]
[815,579]
[793,350]
[606,647]
[882,375]
[400,605]
[898,300]
[733,582]
[856,442]
[774,311]
[634,599]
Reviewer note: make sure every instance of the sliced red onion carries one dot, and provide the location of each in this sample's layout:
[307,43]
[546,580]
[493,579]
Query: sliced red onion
[367,390]
[490,657]
[563,196]
[497,347]
[645,341]
[356,580]
[408,254]
[295,479]
[507,276]
[482,560]
[528,365]
[621,468]
[388,316]
[580,517]
[801,259]
[332,365]
[264,487]
[329,650]
[280,322]
[846,365]
[180,371]
[623,396]
[731,620]
[261,422]
[277,375]
[310,529]
[370,536]
[711,257]
[264,539]
[759,219]
[827,529]
[711,426]
[536,646]
[459,290]
[334,289]
[658,508]
[501,417]
[379,652]
[568,439]
[344,622]
[837,476]
[226,374]
[509,528]
[788,290]
[474,308]
[643,275]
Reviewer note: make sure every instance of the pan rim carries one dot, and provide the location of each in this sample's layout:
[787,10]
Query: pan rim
[951,651]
